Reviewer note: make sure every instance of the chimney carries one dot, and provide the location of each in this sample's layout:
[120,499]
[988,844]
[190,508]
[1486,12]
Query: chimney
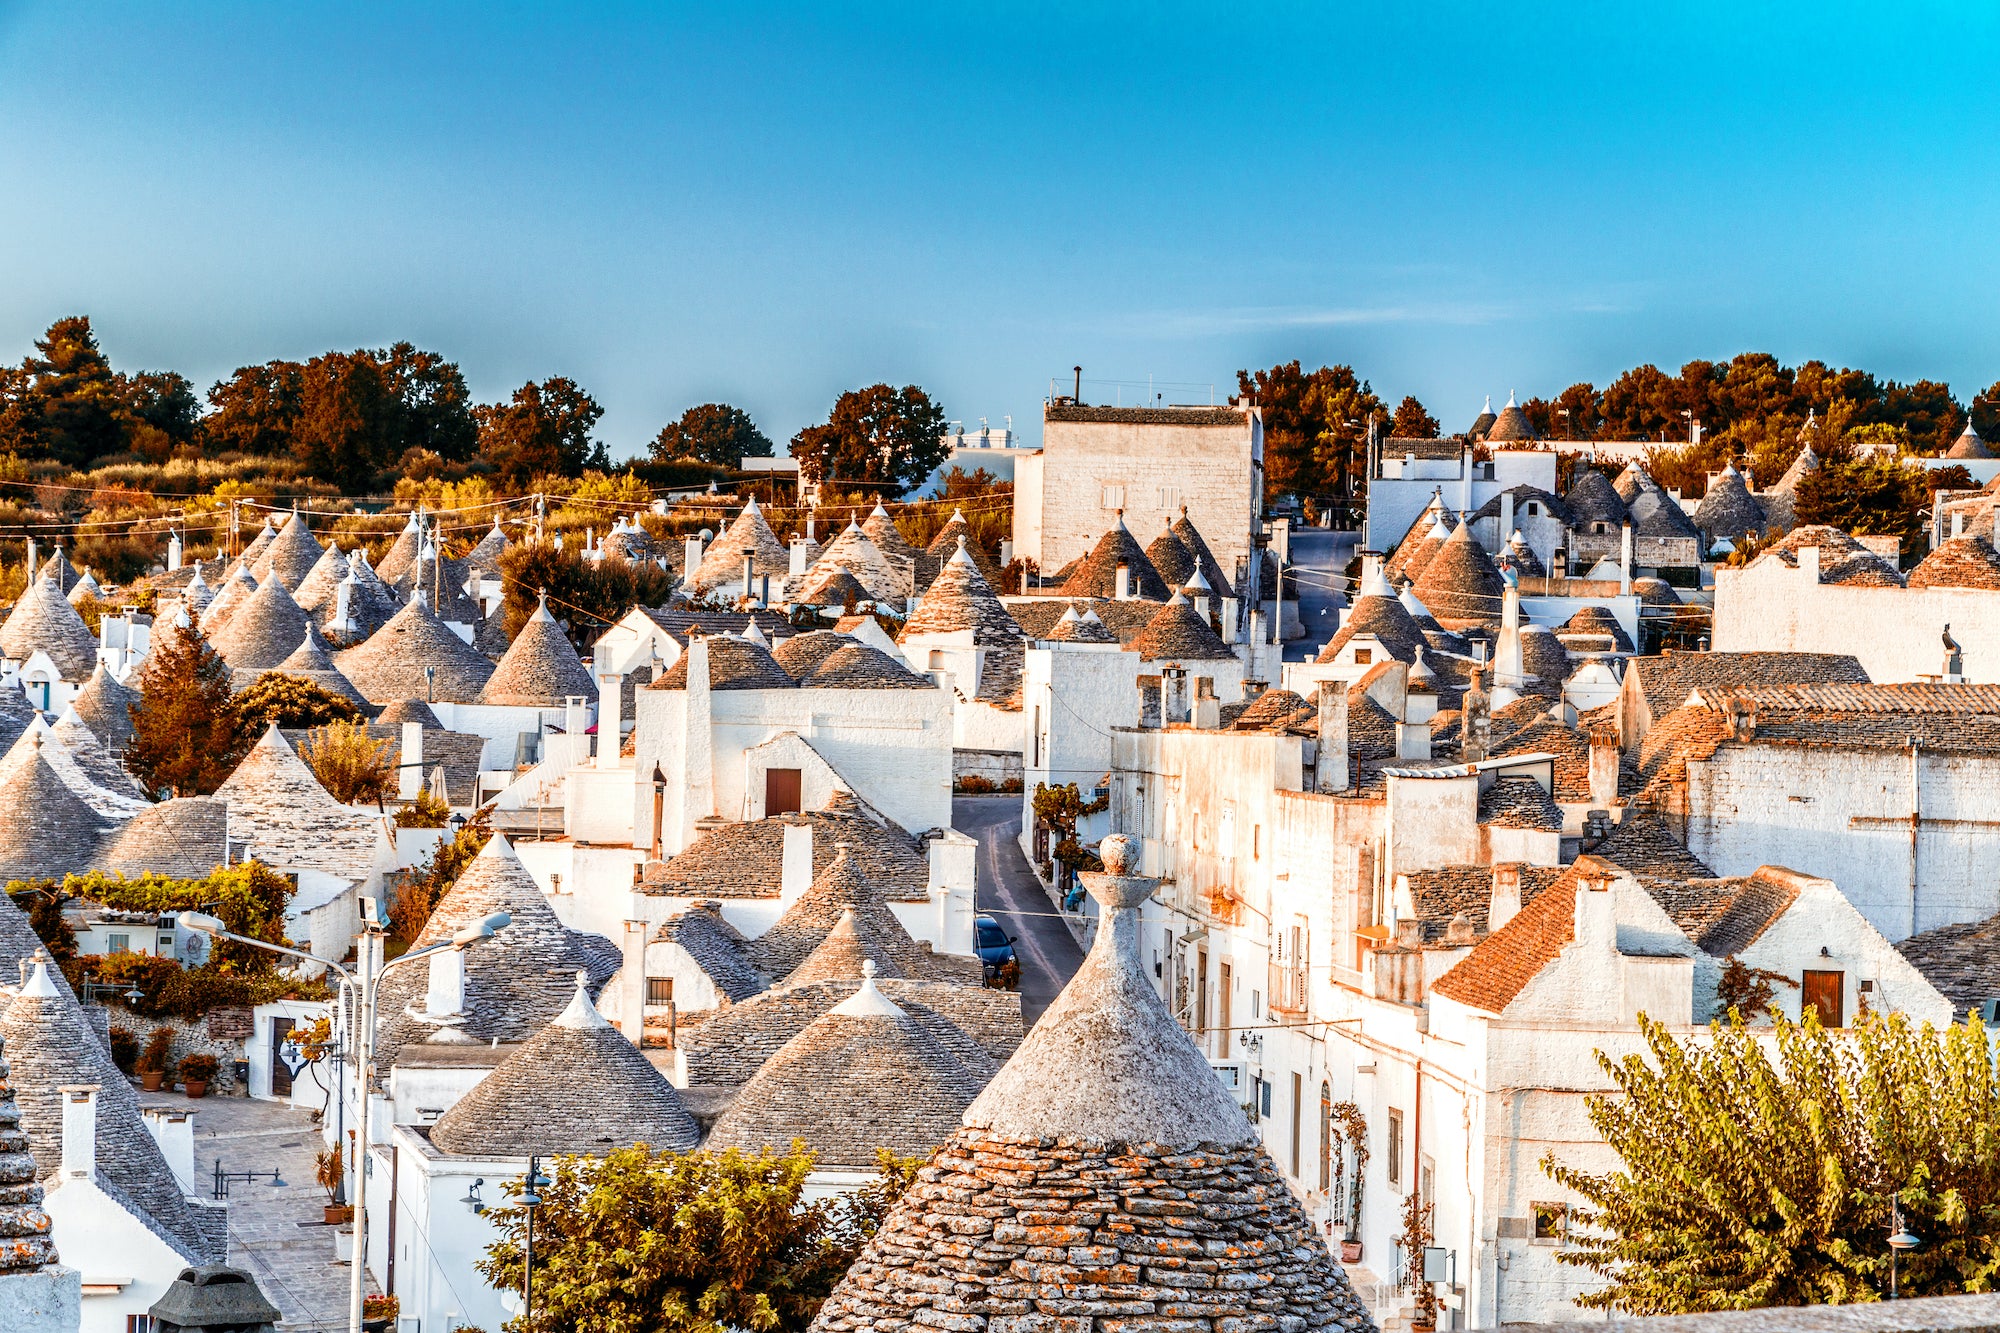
[795,863]
[657,848]
[1229,620]
[1371,566]
[79,1130]
[1596,826]
[1625,559]
[1742,719]
[691,553]
[1413,740]
[576,715]
[1077,396]
[610,708]
[1506,899]
[1958,523]
[410,770]
[1559,563]
[1173,694]
[1604,754]
[174,551]
[1207,708]
[1475,724]
[1332,748]
[1506,520]
[632,1004]
[445,992]
[749,575]
[798,555]
[1596,912]
[1124,592]
[34,561]
[1809,564]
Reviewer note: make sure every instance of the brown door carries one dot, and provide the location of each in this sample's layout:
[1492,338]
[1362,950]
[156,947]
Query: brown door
[781,791]
[281,1073]
[1823,992]
[1225,985]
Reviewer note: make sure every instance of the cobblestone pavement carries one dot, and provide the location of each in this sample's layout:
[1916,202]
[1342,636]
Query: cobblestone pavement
[276,1232]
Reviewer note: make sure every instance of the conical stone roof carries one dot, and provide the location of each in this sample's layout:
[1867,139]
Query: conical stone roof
[104,705]
[485,556]
[854,551]
[945,543]
[1591,498]
[1378,611]
[390,665]
[318,589]
[46,829]
[402,553]
[1728,510]
[23,1220]
[840,956]
[541,668]
[577,1086]
[836,890]
[1421,549]
[830,586]
[264,631]
[1461,585]
[371,603]
[1171,557]
[1211,569]
[1511,424]
[1086,628]
[1483,422]
[44,619]
[291,554]
[58,568]
[515,983]
[259,544]
[1108,1109]
[1097,575]
[1960,562]
[748,534]
[85,589]
[49,1046]
[894,1084]
[197,595]
[313,661]
[1178,632]
[98,764]
[889,540]
[236,590]
[961,599]
[17,715]
[1968,444]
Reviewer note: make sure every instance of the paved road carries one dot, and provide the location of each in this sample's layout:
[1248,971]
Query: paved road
[1009,891]
[1320,556]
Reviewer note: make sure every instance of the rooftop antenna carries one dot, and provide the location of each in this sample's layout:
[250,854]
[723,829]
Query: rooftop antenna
[1078,399]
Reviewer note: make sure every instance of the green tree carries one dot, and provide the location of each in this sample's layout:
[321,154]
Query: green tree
[291,702]
[1878,494]
[1315,428]
[545,428]
[1749,1180]
[74,401]
[712,433]
[1985,408]
[662,1242]
[255,409]
[1413,421]
[584,595]
[433,406]
[877,436]
[186,734]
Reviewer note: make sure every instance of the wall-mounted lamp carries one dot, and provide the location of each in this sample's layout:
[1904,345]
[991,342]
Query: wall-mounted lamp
[472,1199]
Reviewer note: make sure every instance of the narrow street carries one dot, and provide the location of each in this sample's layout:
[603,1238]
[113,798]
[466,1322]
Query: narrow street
[1009,892]
[1319,555]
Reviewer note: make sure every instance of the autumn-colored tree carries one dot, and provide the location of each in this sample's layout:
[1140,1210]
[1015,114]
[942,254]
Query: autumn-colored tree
[292,702]
[1315,428]
[712,433]
[186,733]
[353,766]
[1413,421]
[1760,1167]
[416,892]
[877,436]
[640,1241]
[585,595]
[544,428]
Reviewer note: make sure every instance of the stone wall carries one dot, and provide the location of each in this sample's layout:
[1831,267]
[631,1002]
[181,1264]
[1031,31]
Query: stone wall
[1945,1314]
[996,766]
[189,1039]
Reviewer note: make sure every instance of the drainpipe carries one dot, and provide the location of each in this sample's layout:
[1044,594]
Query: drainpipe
[1916,826]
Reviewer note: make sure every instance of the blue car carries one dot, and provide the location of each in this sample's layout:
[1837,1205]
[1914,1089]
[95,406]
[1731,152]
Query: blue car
[994,945]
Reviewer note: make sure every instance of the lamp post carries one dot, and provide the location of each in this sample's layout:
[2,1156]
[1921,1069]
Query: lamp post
[366,978]
[531,1199]
[1900,1240]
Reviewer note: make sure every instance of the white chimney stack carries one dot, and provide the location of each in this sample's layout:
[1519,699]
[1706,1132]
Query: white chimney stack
[445,993]
[410,774]
[79,1130]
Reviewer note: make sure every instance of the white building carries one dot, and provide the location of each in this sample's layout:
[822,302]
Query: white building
[1146,463]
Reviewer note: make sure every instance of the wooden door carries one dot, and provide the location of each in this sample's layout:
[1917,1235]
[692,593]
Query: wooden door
[1823,991]
[281,1073]
[781,791]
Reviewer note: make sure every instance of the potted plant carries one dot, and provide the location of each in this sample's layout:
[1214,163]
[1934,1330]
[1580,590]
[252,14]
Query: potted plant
[378,1312]
[328,1170]
[153,1063]
[196,1071]
[1352,1128]
[124,1049]
[1416,1239]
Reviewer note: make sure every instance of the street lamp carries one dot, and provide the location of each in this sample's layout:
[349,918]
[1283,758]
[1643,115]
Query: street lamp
[1900,1240]
[531,1199]
[366,979]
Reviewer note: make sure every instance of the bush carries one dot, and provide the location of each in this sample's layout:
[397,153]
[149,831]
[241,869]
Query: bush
[972,784]
[352,765]
[251,898]
[158,1046]
[427,811]
[168,990]
[124,1049]
[198,1068]
[291,702]
[417,891]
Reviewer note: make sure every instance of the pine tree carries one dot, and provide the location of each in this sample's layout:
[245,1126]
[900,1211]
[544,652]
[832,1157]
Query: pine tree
[186,733]
[1751,1181]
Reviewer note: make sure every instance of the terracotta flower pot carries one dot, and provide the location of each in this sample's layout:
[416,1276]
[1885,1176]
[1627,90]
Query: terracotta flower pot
[1350,1251]
[338,1214]
[150,1079]
[195,1087]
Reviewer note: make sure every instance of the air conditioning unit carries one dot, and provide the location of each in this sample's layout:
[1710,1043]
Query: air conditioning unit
[1235,1076]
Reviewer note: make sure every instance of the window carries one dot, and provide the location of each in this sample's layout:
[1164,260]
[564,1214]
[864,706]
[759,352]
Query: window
[1363,656]
[1551,1220]
[1600,527]
[1170,498]
[1298,1115]
[118,944]
[1822,992]
[1256,841]
[659,990]
[1395,1154]
[1533,509]
[1114,497]
[782,795]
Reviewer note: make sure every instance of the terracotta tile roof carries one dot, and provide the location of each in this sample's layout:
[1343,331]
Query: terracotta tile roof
[1503,963]
[577,1086]
[1097,576]
[390,664]
[1961,562]
[541,668]
[43,619]
[896,1086]
[1519,803]
[1962,961]
[1461,584]
[746,859]
[1668,680]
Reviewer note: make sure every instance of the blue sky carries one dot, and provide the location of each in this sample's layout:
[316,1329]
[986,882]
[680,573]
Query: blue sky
[767,204]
